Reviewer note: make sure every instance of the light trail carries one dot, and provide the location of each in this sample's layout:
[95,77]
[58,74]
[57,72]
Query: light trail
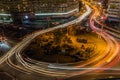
[44,69]
[20,46]
[66,70]
[73,68]
[64,13]
[29,38]
[105,26]
[106,61]
[18,68]
[5,14]
[104,33]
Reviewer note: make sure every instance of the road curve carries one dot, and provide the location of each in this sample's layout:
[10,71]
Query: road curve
[56,70]
[30,37]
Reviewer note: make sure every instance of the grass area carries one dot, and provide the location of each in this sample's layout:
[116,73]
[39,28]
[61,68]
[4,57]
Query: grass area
[66,45]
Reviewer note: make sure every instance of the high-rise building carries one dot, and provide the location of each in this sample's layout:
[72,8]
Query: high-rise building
[23,9]
[42,6]
[114,10]
[4,16]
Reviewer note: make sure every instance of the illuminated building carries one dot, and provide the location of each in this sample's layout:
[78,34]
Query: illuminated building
[114,10]
[30,9]
[4,16]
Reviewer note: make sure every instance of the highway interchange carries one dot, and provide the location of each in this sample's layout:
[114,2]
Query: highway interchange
[101,62]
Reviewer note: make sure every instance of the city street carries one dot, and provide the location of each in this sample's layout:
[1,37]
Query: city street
[104,65]
[18,48]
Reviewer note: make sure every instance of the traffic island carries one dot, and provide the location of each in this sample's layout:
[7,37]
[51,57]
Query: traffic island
[65,45]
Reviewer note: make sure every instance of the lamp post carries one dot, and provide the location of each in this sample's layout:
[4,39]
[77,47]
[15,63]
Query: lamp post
[48,21]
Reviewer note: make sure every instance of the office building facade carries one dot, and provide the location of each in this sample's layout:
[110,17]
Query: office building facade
[38,8]
[114,10]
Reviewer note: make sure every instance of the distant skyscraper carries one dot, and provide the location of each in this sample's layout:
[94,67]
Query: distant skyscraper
[114,10]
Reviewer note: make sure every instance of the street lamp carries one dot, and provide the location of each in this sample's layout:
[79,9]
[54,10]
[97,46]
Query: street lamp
[26,17]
